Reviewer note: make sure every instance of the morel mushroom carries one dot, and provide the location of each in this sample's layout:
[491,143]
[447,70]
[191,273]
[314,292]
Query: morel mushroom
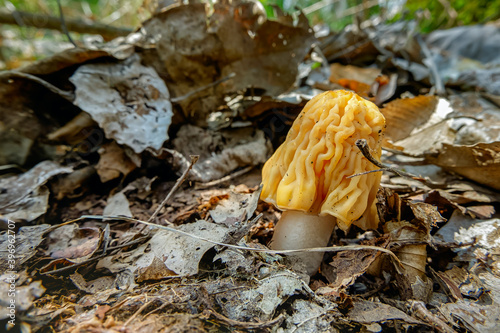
[306,177]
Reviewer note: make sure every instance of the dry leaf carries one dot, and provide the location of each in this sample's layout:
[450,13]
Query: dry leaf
[114,162]
[196,48]
[404,115]
[129,101]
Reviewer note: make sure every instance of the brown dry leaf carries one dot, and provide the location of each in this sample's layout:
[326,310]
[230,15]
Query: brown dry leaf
[479,162]
[460,282]
[362,75]
[74,243]
[367,312]
[426,213]
[347,266]
[74,184]
[404,115]
[475,317]
[74,131]
[196,48]
[64,59]
[412,253]
[114,162]
[221,152]
[359,88]
[156,271]
[27,240]
[92,287]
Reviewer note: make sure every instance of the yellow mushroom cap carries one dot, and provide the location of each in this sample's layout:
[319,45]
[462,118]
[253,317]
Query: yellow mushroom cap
[309,171]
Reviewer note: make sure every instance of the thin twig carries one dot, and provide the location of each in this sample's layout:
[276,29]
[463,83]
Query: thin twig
[191,93]
[225,179]
[64,28]
[145,305]
[419,311]
[194,159]
[50,22]
[15,74]
[362,144]
[180,232]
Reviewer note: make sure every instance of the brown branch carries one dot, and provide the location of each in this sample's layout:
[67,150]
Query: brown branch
[54,23]
[362,145]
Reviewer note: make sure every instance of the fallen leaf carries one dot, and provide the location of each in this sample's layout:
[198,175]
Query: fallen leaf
[26,191]
[197,45]
[114,162]
[404,115]
[73,243]
[367,312]
[129,101]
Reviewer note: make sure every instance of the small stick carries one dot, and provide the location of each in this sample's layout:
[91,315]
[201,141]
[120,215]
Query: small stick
[419,311]
[16,74]
[191,93]
[63,24]
[194,159]
[362,144]
[226,178]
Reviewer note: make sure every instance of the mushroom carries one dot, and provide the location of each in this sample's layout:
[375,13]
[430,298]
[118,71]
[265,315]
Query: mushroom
[306,177]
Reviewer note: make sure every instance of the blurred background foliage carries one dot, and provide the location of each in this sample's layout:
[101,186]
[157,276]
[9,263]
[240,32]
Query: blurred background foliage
[336,14]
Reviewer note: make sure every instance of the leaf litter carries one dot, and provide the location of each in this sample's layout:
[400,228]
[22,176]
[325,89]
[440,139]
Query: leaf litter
[94,141]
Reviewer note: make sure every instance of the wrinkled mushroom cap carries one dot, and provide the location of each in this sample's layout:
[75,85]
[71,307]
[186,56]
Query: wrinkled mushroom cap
[309,171]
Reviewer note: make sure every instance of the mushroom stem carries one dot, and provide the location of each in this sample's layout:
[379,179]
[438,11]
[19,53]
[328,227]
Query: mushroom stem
[298,230]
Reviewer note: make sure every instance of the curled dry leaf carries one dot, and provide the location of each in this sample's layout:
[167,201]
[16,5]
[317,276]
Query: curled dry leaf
[221,152]
[24,196]
[404,115]
[196,47]
[347,266]
[74,243]
[129,101]
[114,162]
[363,75]
[167,252]
[27,240]
[479,162]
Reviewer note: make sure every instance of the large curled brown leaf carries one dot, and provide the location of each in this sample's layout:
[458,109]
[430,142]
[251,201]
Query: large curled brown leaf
[195,48]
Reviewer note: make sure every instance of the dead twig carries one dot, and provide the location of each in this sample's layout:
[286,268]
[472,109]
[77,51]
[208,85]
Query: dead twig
[9,75]
[191,93]
[180,232]
[21,18]
[194,159]
[64,28]
[362,145]
[226,178]
[132,317]
[419,310]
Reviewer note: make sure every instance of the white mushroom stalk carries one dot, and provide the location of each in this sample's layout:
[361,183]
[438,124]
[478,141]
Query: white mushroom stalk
[297,230]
